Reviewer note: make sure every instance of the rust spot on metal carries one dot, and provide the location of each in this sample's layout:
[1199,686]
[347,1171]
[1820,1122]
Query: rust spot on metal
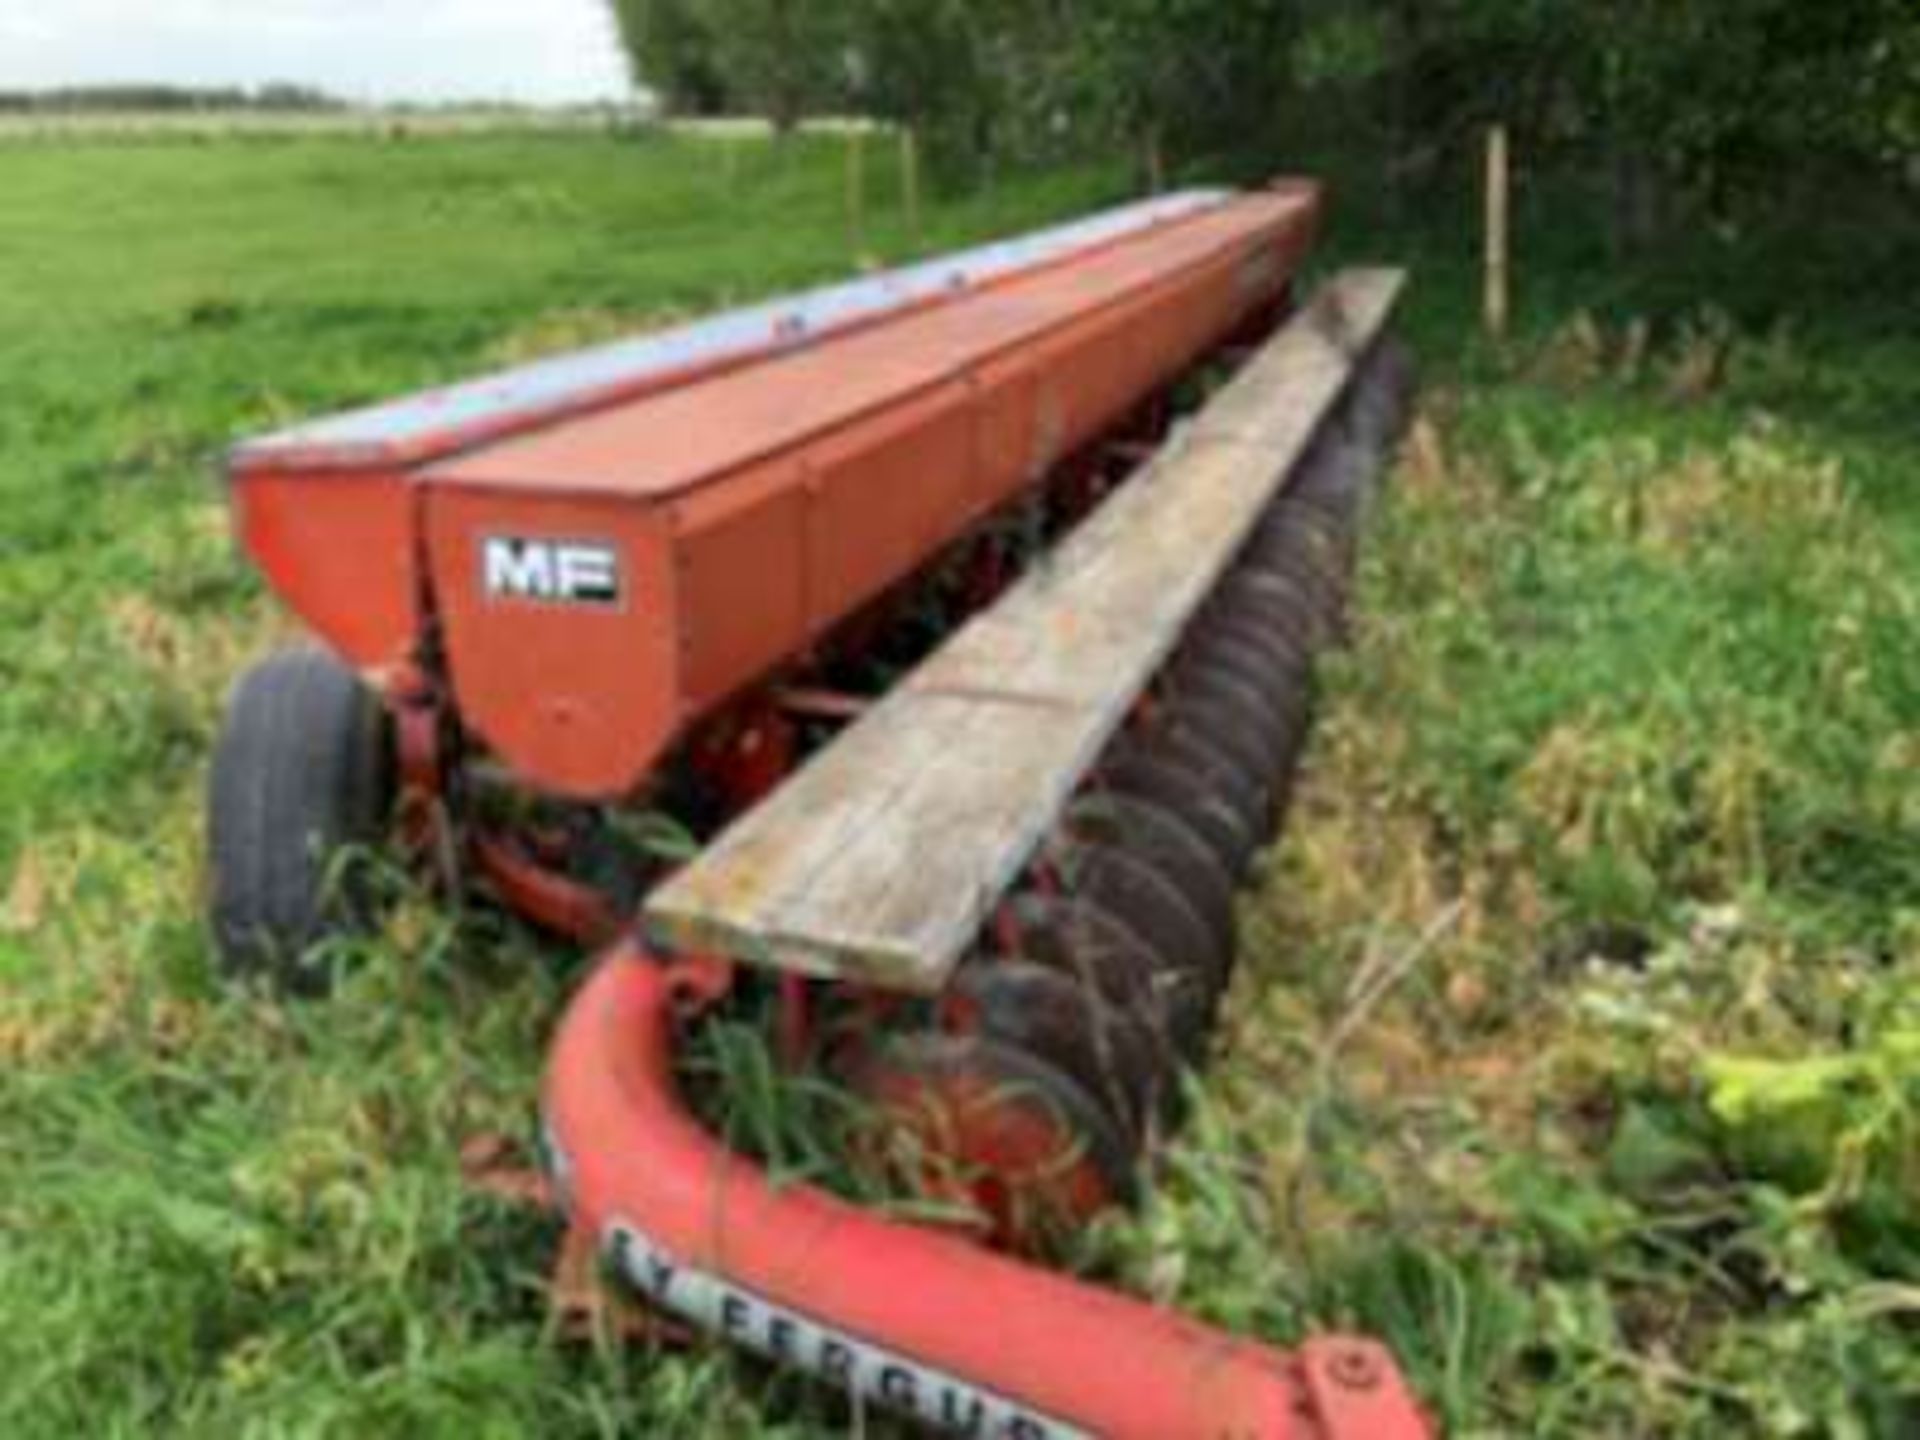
[1353,1368]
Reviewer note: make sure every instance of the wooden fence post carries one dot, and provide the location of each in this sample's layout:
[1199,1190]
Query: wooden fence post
[910,182]
[857,191]
[1155,157]
[1497,296]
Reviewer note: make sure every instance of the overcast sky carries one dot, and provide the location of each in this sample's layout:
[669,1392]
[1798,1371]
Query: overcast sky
[535,50]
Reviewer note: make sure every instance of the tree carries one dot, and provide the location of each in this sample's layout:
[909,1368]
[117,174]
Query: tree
[1193,77]
[1678,102]
[672,52]
[980,80]
[784,59]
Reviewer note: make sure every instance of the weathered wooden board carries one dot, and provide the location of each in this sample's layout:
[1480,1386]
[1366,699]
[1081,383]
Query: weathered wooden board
[882,857]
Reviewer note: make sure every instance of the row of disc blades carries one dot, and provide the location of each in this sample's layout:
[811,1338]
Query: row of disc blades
[1057,1055]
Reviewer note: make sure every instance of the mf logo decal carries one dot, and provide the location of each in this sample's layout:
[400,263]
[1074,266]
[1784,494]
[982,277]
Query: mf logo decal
[552,572]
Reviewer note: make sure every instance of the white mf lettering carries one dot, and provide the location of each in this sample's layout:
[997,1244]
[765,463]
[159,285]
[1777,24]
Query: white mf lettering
[553,572]
[871,1372]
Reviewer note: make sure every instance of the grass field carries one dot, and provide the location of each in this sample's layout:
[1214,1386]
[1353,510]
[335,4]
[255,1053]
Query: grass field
[1579,1049]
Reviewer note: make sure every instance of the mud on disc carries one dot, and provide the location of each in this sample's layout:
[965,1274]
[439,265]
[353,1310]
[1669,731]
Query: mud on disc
[1288,603]
[1303,536]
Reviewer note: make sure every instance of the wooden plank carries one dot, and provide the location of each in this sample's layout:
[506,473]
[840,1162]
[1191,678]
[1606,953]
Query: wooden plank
[882,858]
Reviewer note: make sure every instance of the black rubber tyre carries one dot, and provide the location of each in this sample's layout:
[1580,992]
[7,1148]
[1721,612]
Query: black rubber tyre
[302,772]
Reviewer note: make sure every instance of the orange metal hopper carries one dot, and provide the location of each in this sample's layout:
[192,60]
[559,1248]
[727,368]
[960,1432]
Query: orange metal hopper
[605,562]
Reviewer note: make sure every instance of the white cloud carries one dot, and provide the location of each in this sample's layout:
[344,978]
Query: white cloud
[533,50]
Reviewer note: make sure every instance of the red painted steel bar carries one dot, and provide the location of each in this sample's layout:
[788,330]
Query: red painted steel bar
[906,1317]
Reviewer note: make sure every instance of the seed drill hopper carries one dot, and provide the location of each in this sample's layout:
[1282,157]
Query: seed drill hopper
[964,617]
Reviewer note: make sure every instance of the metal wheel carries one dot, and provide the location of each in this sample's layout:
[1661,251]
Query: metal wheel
[1000,1133]
[1290,604]
[1096,949]
[1261,721]
[1287,642]
[1158,836]
[1171,787]
[1224,734]
[1144,897]
[1116,1057]
[1206,786]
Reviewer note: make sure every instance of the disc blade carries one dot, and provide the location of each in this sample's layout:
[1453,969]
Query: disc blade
[1116,1058]
[1161,838]
[999,1132]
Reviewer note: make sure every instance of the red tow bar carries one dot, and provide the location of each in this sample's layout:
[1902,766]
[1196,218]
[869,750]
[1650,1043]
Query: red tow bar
[908,1318]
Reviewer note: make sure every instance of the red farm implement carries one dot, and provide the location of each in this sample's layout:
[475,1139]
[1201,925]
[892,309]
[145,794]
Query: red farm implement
[965,618]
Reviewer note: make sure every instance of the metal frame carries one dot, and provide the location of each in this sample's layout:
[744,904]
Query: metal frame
[904,1316]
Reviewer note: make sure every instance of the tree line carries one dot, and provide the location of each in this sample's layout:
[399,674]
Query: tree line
[277,95]
[1707,99]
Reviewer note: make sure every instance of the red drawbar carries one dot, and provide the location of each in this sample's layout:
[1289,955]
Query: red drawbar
[904,1316]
